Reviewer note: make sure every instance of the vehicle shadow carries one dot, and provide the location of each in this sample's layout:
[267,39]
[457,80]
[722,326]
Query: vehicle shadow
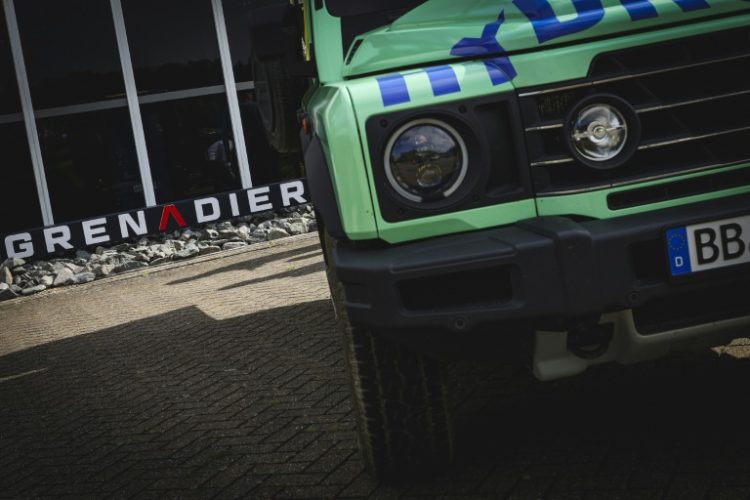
[183,404]
[249,265]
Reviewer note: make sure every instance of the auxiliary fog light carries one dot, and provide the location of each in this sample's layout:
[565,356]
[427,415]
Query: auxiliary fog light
[603,134]
[426,160]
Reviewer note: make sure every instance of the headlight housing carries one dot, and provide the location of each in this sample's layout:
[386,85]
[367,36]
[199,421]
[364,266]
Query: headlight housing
[471,157]
[426,160]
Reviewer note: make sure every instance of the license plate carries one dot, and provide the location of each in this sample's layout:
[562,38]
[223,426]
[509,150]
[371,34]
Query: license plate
[713,245]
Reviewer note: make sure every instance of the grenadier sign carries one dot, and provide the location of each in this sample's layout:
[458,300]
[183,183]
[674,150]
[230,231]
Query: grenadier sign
[109,229]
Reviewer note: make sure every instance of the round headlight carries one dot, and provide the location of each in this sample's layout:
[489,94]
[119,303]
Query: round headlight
[603,132]
[426,160]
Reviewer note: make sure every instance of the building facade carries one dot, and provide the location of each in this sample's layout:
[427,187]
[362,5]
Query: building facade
[110,106]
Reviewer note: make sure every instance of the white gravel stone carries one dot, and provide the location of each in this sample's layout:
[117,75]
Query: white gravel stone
[32,290]
[129,266]
[277,233]
[190,251]
[233,245]
[6,293]
[6,276]
[64,277]
[209,250]
[13,263]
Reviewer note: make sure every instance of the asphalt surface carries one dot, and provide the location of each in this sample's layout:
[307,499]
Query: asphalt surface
[223,378]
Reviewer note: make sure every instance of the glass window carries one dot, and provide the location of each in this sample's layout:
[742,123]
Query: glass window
[190,147]
[19,205]
[70,50]
[173,44]
[266,164]
[236,14]
[91,165]
[87,146]
[19,208]
[183,98]
[9,101]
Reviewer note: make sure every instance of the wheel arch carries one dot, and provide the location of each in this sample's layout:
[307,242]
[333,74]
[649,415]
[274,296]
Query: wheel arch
[321,188]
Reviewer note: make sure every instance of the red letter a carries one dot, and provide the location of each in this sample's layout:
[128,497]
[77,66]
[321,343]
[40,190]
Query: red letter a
[170,211]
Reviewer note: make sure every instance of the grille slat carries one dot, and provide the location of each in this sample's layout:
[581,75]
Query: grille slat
[690,102]
[690,138]
[692,96]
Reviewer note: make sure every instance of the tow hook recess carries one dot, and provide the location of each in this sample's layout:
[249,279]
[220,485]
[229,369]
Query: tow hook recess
[589,339]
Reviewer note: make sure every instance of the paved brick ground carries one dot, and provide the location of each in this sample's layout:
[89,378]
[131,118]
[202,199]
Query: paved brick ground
[222,378]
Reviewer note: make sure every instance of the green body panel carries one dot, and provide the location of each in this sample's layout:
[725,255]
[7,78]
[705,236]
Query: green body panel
[428,33]
[341,109]
[472,77]
[327,45]
[594,203]
[334,121]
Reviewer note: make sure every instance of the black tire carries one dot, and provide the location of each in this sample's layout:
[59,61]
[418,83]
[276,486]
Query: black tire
[400,398]
[279,97]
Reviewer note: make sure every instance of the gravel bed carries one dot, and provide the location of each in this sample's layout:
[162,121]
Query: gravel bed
[20,278]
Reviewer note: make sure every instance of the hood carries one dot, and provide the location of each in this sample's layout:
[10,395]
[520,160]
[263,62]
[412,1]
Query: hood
[441,30]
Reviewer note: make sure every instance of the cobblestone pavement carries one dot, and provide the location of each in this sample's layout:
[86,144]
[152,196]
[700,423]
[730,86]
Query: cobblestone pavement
[223,378]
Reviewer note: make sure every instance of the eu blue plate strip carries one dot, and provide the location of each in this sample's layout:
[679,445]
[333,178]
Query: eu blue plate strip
[679,253]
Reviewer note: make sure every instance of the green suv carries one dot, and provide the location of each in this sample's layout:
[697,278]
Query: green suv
[554,182]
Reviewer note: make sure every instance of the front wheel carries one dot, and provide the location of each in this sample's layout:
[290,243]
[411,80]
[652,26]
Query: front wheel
[400,397]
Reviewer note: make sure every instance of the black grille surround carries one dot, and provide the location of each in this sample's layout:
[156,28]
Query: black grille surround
[692,97]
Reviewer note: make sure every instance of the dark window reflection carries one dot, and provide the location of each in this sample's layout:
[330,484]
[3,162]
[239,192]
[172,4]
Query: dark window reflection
[91,164]
[9,102]
[173,44]
[238,32]
[20,203]
[266,164]
[190,147]
[70,50]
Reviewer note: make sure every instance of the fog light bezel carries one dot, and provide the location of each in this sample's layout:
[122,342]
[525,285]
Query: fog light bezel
[632,140]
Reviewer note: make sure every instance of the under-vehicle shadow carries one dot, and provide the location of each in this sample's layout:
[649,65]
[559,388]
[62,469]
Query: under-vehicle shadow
[679,422]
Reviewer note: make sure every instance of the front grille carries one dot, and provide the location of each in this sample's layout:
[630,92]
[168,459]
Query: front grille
[692,97]
[679,189]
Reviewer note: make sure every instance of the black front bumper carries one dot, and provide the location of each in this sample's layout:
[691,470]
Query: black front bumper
[544,273]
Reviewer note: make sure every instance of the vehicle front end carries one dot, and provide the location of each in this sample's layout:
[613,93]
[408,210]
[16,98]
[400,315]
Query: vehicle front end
[577,187]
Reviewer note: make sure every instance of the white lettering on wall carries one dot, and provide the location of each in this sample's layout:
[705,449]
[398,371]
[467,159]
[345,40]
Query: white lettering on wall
[259,200]
[235,206]
[57,236]
[200,210]
[95,231]
[293,191]
[128,223]
[19,246]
